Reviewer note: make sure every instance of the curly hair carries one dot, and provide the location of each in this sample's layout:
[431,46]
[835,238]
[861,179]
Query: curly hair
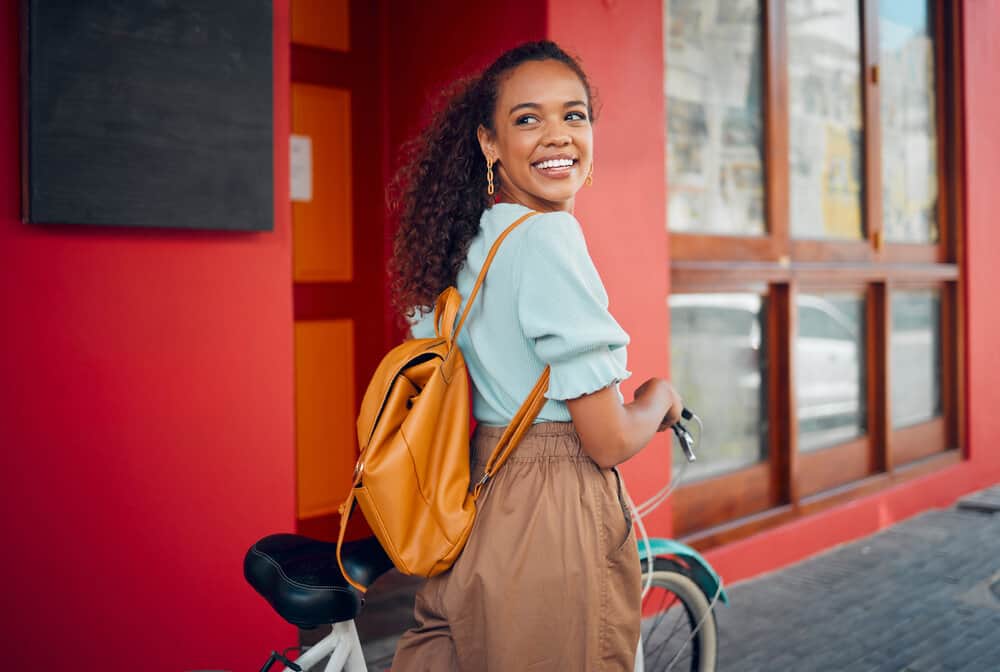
[440,191]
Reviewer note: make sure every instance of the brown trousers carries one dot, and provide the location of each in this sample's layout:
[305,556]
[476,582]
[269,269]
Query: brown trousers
[549,579]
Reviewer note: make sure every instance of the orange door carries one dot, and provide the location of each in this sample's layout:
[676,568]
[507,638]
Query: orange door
[337,264]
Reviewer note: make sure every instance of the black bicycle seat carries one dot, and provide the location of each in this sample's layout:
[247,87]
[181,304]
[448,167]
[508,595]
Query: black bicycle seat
[299,576]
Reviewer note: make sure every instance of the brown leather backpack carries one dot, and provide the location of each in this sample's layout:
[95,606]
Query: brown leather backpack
[412,475]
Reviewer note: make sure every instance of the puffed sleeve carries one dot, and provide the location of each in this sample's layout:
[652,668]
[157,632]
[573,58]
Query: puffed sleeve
[563,309]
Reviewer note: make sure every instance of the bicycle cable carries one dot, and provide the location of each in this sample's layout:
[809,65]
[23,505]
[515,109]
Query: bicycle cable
[656,500]
[650,505]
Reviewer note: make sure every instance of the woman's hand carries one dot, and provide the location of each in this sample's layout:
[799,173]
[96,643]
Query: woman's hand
[611,432]
[659,387]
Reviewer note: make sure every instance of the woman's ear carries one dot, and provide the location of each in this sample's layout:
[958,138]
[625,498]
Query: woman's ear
[486,143]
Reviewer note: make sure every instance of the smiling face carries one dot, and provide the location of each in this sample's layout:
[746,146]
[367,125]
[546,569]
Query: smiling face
[543,139]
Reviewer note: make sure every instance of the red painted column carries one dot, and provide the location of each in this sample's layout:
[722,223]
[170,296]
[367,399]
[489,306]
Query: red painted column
[624,213]
[145,425]
[982,240]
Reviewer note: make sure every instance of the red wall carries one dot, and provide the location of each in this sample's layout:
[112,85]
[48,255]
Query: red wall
[623,214]
[146,426]
[982,247]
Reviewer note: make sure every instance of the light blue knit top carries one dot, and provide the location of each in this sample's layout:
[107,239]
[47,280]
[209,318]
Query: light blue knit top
[542,302]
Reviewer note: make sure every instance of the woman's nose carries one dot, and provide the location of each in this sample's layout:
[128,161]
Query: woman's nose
[557,140]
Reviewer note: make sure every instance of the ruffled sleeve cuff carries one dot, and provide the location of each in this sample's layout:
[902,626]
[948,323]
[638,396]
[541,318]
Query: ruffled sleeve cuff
[587,372]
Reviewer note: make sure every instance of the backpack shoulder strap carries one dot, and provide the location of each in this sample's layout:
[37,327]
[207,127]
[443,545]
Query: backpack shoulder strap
[526,414]
[519,424]
[486,267]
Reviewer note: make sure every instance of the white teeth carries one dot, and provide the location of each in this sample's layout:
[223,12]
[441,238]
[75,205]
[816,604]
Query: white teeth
[555,163]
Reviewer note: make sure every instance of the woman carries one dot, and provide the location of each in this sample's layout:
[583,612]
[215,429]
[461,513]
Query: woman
[549,579]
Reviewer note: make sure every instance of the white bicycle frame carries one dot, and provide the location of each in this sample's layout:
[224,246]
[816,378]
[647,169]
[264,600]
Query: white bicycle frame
[343,647]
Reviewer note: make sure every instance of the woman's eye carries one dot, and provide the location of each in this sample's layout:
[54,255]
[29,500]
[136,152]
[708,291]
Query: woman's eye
[525,119]
[576,116]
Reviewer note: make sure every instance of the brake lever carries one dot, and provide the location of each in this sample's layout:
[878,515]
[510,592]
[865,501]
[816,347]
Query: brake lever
[686,440]
[684,436]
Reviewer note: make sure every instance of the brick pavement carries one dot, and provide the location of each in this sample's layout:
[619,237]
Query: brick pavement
[920,596]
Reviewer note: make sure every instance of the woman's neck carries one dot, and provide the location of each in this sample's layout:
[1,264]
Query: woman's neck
[539,205]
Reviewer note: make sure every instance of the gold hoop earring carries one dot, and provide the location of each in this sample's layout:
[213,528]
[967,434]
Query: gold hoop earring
[590,176]
[489,177]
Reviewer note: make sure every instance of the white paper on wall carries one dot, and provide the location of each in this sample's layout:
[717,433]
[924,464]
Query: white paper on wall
[301,168]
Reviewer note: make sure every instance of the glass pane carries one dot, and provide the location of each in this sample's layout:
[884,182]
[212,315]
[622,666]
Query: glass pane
[714,118]
[909,121]
[826,153]
[717,363]
[830,369]
[915,357]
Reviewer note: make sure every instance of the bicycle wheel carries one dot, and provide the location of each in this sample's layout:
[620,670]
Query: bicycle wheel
[679,631]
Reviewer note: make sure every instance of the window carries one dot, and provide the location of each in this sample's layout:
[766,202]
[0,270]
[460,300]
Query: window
[715,132]
[825,157]
[915,357]
[718,349]
[829,356]
[813,168]
[908,122]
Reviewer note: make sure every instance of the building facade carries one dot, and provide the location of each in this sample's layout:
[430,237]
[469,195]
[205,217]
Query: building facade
[792,212]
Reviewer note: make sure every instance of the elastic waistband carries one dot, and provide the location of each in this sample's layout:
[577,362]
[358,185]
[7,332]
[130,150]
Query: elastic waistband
[537,429]
[544,440]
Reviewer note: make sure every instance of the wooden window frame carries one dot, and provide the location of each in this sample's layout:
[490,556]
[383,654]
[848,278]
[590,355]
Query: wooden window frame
[915,442]
[789,484]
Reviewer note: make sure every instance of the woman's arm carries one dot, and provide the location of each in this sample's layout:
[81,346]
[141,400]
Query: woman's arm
[612,432]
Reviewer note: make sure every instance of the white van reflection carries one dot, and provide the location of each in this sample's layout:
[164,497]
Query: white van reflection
[719,358]
[830,369]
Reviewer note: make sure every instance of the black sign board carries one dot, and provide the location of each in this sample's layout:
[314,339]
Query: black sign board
[153,113]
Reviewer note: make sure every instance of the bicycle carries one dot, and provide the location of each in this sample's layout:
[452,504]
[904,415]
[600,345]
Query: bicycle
[300,579]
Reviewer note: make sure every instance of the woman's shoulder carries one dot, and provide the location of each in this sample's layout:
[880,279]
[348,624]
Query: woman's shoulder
[542,231]
[554,239]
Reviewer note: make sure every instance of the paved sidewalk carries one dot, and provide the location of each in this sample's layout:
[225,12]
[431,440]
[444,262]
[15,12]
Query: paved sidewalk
[921,596]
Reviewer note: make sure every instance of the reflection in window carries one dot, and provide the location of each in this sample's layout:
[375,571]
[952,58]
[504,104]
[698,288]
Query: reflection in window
[909,133]
[714,116]
[915,357]
[717,359]
[830,369]
[825,129]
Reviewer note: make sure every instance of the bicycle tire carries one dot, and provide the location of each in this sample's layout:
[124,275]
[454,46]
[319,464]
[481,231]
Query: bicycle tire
[674,579]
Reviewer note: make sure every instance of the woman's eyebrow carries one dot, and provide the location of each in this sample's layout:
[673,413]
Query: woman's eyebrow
[533,106]
[536,106]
